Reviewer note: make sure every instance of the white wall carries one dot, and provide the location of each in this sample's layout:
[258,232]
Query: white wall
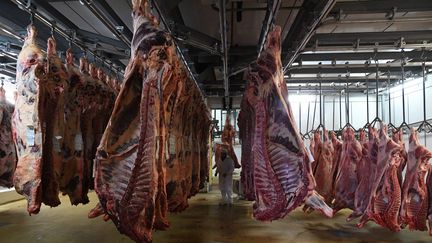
[331,111]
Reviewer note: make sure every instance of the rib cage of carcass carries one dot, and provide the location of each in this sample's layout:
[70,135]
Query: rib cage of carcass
[153,153]
[274,157]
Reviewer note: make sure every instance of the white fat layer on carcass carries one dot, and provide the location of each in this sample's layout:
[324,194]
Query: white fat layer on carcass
[30,136]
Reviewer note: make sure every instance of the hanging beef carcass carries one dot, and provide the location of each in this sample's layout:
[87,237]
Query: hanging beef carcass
[337,146]
[73,180]
[282,172]
[51,97]
[315,148]
[228,133]
[38,123]
[385,197]
[89,110]
[398,138]
[429,188]
[228,137]
[346,178]
[367,166]
[26,125]
[130,169]
[323,169]
[246,123]
[8,157]
[414,208]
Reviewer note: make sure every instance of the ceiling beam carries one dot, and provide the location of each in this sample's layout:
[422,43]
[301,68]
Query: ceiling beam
[353,69]
[114,17]
[354,55]
[371,37]
[307,20]
[108,22]
[381,6]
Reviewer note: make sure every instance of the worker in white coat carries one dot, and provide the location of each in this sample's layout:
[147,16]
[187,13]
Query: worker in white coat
[225,162]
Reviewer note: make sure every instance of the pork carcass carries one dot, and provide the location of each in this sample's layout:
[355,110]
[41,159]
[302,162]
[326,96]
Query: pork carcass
[246,123]
[415,202]
[346,179]
[367,166]
[73,177]
[8,157]
[385,197]
[282,172]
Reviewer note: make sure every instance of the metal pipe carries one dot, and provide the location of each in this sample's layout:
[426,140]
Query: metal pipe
[75,40]
[112,27]
[374,21]
[224,43]
[367,101]
[403,91]
[327,8]
[272,9]
[214,7]
[331,48]
[179,52]
[377,89]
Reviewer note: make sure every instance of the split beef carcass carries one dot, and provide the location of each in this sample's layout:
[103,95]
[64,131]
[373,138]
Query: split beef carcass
[365,172]
[8,157]
[246,123]
[415,202]
[131,162]
[323,169]
[315,148]
[89,110]
[51,98]
[346,178]
[398,138]
[228,137]
[385,197]
[228,133]
[72,182]
[429,187]
[38,123]
[337,146]
[282,172]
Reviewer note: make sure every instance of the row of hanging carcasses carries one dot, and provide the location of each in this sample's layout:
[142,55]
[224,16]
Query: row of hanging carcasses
[61,111]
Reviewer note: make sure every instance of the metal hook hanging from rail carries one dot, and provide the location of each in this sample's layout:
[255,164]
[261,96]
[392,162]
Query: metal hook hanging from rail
[390,124]
[425,125]
[320,99]
[377,119]
[403,124]
[367,96]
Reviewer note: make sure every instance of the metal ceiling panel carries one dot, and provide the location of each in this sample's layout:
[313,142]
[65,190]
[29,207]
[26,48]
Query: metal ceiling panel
[82,17]
[123,8]
[201,17]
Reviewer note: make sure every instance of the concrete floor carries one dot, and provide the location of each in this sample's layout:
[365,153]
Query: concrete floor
[203,221]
